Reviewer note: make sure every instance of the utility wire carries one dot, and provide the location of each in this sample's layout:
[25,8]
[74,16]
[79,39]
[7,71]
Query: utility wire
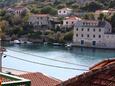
[48,58]
[45,64]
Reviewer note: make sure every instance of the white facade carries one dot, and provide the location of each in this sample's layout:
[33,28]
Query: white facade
[93,34]
[108,12]
[70,21]
[64,11]
[39,20]
[18,10]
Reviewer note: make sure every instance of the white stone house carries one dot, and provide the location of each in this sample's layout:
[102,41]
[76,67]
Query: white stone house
[39,20]
[70,21]
[64,12]
[108,12]
[93,33]
[17,10]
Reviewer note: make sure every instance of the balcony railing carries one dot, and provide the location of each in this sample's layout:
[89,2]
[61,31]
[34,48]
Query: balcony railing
[11,80]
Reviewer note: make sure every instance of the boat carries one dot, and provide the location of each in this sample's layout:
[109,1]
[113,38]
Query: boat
[16,42]
[28,42]
[57,44]
[68,45]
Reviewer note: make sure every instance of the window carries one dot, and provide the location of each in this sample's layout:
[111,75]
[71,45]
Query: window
[82,29]
[109,29]
[59,11]
[66,22]
[94,30]
[88,35]
[82,42]
[88,29]
[72,22]
[77,29]
[99,30]
[81,35]
[83,23]
[30,22]
[64,11]
[41,17]
[93,43]
[99,36]
[88,23]
[93,36]
[76,35]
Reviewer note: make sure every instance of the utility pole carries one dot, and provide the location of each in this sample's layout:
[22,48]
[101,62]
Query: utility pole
[0,57]
[1,50]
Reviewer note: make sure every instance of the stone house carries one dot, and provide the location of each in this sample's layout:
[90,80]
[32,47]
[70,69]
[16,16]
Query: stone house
[40,21]
[64,12]
[93,33]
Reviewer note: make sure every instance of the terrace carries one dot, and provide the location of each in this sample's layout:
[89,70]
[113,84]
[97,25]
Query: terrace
[11,80]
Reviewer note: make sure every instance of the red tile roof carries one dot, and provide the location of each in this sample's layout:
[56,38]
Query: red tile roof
[72,18]
[102,64]
[38,79]
[103,76]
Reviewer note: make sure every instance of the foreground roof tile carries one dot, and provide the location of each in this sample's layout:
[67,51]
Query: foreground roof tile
[39,79]
[104,75]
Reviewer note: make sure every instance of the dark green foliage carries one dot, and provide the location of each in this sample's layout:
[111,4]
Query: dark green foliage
[89,16]
[93,6]
[68,36]
[2,12]
[101,16]
[112,4]
[35,34]
[113,22]
[49,10]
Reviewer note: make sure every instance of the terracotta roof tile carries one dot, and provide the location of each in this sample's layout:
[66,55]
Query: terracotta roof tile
[72,18]
[103,76]
[102,64]
[38,79]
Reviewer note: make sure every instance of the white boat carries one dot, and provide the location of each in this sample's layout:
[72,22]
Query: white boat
[28,42]
[69,45]
[57,44]
[17,42]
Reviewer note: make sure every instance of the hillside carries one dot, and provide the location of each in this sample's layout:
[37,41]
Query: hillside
[104,3]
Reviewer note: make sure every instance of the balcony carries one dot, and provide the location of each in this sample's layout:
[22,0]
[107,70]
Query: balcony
[11,80]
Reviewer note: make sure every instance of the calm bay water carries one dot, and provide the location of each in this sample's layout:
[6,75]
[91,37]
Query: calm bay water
[84,56]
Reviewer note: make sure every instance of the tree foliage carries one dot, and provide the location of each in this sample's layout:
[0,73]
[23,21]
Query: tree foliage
[49,10]
[113,22]
[93,6]
[68,36]
[89,16]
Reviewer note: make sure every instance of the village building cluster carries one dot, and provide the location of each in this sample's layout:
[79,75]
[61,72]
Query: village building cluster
[87,33]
